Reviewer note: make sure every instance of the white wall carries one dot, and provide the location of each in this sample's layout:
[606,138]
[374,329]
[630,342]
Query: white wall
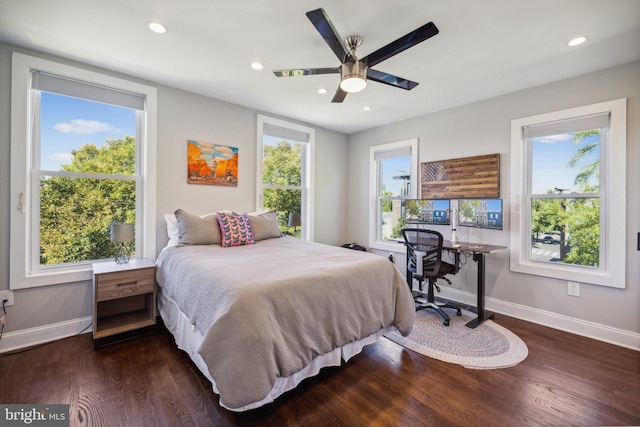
[181,116]
[484,128]
[342,192]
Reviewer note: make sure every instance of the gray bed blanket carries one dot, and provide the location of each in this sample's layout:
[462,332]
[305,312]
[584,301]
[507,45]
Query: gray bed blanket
[267,310]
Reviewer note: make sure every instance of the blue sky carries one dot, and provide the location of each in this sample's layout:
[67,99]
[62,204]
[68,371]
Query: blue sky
[69,123]
[550,162]
[441,204]
[394,167]
[494,204]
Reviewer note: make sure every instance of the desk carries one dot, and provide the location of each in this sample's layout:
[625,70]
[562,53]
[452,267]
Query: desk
[478,251]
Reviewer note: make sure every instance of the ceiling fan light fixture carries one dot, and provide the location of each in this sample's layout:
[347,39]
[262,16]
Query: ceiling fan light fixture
[353,84]
[354,73]
[354,76]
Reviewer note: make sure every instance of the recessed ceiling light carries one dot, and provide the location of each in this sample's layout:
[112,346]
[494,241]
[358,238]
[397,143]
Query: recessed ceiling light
[576,41]
[157,27]
[367,108]
[322,91]
[257,66]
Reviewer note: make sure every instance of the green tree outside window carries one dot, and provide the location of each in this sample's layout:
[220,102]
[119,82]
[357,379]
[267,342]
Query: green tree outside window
[281,166]
[76,213]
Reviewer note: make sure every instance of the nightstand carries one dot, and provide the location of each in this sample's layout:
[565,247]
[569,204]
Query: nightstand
[124,299]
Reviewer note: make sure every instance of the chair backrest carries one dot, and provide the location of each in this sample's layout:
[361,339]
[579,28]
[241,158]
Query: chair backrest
[426,244]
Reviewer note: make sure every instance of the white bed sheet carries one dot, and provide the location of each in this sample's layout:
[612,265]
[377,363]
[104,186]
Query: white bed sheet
[189,339]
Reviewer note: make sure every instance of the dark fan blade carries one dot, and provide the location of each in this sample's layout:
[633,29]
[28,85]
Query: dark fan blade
[323,24]
[339,96]
[402,44]
[390,79]
[305,72]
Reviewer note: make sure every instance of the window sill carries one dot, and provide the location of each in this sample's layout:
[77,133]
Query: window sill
[389,246]
[82,273]
[575,274]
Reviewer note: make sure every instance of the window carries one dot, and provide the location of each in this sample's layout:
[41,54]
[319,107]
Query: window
[568,175]
[82,153]
[285,159]
[393,178]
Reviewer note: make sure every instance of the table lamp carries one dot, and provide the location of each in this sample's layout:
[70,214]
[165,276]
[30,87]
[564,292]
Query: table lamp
[122,233]
[294,221]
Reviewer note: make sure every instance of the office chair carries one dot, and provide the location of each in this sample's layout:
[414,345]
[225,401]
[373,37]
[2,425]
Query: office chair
[424,262]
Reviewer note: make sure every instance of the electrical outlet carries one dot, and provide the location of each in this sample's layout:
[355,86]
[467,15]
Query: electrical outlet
[6,295]
[573,289]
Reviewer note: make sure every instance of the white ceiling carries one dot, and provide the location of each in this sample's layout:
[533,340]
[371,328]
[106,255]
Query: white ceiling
[485,48]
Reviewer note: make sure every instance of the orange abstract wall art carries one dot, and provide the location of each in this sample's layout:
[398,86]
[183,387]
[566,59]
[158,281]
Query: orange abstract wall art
[212,164]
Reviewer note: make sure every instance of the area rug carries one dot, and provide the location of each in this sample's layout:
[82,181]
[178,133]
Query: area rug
[489,346]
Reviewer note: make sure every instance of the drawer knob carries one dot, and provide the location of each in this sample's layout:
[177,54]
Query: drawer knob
[128,284]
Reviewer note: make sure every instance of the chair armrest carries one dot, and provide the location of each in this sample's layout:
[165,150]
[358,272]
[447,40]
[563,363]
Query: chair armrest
[419,256]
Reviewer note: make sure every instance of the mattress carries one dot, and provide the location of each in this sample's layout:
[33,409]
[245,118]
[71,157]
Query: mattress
[189,339]
[266,316]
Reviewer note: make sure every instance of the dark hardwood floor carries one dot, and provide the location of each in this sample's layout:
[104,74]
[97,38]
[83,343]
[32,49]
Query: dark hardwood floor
[566,380]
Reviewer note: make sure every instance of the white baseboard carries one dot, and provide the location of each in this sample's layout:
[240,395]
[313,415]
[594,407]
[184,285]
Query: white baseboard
[29,337]
[12,341]
[584,328]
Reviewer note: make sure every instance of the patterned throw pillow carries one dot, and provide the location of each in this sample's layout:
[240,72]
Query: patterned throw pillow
[235,229]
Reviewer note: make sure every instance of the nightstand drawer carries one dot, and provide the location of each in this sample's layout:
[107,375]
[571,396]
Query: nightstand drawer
[124,283]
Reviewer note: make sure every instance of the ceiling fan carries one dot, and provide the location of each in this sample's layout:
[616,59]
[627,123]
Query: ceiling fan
[354,71]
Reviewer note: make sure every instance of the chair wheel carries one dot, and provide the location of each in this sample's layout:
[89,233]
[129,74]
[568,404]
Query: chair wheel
[459,312]
[445,322]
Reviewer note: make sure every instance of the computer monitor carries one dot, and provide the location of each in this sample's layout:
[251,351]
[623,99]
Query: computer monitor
[480,213]
[423,211]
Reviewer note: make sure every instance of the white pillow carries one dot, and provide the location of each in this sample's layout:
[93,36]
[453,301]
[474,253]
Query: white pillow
[172,229]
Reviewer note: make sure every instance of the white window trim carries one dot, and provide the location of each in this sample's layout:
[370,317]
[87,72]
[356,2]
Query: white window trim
[20,275]
[308,164]
[373,190]
[613,270]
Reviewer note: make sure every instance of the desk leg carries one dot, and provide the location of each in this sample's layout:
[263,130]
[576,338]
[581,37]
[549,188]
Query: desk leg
[482,313]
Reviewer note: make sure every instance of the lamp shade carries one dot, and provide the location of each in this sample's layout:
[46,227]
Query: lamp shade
[122,233]
[354,76]
[294,219]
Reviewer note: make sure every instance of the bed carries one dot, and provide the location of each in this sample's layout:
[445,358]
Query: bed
[256,319]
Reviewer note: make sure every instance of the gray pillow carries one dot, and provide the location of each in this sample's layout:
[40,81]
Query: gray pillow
[193,230]
[265,225]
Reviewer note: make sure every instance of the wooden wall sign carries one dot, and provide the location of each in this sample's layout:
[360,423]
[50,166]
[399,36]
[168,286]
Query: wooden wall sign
[465,178]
